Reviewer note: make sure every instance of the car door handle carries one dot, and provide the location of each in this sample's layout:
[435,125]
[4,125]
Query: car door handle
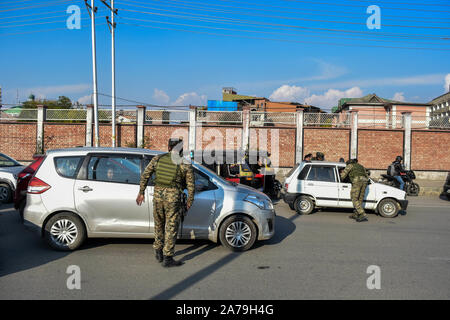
[85,189]
[310,184]
[344,186]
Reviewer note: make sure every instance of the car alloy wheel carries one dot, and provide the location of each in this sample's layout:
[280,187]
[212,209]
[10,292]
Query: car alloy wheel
[5,193]
[238,234]
[64,232]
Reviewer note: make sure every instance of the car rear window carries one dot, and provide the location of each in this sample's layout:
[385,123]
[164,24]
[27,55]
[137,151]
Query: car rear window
[68,166]
[292,170]
[302,175]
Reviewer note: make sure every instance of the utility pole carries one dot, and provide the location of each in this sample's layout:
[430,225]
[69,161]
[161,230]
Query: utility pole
[92,12]
[112,28]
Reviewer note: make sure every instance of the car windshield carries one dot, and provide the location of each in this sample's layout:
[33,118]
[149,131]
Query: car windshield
[214,174]
[6,161]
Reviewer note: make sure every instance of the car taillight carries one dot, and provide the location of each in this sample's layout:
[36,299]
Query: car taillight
[286,186]
[37,186]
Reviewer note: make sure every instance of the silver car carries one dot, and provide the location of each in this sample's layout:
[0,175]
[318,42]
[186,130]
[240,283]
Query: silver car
[86,192]
[9,169]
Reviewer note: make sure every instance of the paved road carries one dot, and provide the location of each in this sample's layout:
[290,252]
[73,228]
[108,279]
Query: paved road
[321,256]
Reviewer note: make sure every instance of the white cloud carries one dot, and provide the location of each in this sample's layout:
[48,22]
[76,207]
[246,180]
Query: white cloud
[55,91]
[398,96]
[289,93]
[85,99]
[331,97]
[160,96]
[192,98]
[447,83]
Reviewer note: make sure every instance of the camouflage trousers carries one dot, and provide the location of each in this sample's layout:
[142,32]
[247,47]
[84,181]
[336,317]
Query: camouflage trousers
[357,194]
[167,216]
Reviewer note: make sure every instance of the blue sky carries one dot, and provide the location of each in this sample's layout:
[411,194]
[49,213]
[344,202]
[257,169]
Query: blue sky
[264,48]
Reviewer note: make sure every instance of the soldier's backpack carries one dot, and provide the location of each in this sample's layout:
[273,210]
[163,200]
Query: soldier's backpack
[166,171]
[391,170]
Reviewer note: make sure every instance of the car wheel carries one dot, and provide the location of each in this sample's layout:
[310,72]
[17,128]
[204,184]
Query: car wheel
[5,193]
[238,233]
[388,208]
[65,231]
[304,205]
[413,189]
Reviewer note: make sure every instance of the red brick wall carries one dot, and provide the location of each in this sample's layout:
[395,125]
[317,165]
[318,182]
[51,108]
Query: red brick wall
[285,148]
[378,148]
[218,137]
[430,150]
[334,143]
[157,136]
[18,140]
[57,136]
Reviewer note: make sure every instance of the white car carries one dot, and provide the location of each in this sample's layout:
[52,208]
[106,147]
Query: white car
[311,185]
[9,169]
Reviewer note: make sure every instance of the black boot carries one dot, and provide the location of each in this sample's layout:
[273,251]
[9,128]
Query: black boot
[362,218]
[170,262]
[159,255]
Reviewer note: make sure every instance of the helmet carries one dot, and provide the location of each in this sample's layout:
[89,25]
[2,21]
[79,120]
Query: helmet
[399,158]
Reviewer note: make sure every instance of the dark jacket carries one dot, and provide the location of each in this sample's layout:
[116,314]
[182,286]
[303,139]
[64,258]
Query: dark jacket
[399,168]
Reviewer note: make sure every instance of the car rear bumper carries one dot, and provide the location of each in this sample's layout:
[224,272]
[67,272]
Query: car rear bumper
[287,197]
[403,204]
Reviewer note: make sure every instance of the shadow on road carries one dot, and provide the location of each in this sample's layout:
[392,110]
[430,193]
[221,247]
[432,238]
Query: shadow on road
[195,278]
[21,249]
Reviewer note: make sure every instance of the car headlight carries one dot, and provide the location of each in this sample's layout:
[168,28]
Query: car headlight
[260,203]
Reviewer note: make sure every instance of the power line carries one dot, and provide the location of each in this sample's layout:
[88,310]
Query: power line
[363,6]
[407,3]
[275,33]
[289,18]
[47,4]
[42,30]
[299,10]
[441,37]
[37,19]
[40,23]
[282,40]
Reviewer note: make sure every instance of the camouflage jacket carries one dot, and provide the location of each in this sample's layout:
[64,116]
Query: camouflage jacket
[184,179]
[355,171]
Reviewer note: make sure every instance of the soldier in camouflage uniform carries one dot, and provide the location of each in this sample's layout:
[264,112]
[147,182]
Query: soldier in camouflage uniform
[173,175]
[358,177]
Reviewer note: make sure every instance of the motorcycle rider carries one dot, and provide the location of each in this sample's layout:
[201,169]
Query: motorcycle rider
[398,168]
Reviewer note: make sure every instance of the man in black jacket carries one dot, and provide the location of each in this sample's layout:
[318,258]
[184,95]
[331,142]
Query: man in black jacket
[398,169]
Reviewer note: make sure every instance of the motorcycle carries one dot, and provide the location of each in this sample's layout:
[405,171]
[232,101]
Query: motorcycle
[411,188]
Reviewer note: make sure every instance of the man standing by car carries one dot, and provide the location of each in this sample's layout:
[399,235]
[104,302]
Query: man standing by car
[358,177]
[171,178]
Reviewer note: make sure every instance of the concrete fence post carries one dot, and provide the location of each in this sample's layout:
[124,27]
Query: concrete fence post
[407,142]
[140,120]
[41,117]
[354,136]
[245,129]
[192,127]
[89,124]
[299,137]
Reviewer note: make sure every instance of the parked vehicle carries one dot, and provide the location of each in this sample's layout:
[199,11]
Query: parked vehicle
[261,166]
[411,188]
[9,170]
[20,195]
[446,190]
[229,164]
[85,192]
[318,185]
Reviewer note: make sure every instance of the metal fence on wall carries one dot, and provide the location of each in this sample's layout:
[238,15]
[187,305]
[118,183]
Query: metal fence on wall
[256,118]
